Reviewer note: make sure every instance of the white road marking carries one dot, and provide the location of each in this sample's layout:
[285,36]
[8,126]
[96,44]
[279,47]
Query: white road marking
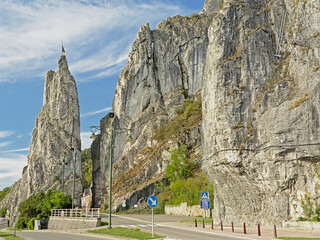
[193,230]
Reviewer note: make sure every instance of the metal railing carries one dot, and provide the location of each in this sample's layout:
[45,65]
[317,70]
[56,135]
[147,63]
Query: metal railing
[76,213]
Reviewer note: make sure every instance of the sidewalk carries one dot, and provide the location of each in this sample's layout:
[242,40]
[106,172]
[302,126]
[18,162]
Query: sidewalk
[252,233]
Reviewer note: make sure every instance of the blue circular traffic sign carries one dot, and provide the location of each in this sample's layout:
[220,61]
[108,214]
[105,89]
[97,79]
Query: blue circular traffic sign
[153,201]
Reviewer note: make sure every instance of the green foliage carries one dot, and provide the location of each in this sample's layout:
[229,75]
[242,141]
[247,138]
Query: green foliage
[30,225]
[188,117]
[180,167]
[4,193]
[22,223]
[187,181]
[39,206]
[3,212]
[86,167]
[186,190]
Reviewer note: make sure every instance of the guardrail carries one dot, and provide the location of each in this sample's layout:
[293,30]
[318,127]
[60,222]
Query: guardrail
[76,213]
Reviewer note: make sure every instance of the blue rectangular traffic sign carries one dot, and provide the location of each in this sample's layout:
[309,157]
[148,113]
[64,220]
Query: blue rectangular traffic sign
[204,195]
[204,203]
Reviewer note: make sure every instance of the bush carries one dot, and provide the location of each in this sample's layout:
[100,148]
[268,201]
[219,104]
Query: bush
[3,212]
[30,224]
[39,206]
[186,190]
[4,193]
[22,223]
[180,167]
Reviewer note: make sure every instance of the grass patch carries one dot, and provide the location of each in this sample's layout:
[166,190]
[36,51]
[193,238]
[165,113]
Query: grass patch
[9,236]
[126,232]
[298,238]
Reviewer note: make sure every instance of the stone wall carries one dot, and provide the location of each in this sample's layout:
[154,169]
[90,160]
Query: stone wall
[73,223]
[185,210]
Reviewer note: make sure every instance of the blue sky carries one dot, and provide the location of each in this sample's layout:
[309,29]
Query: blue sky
[97,36]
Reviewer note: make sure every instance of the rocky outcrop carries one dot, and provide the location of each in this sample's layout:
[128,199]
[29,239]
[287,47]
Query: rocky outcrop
[257,65]
[55,144]
[56,136]
[165,66]
[18,193]
[261,109]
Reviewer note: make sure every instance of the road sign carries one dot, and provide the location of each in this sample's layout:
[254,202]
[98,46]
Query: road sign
[204,195]
[153,201]
[205,203]
[124,205]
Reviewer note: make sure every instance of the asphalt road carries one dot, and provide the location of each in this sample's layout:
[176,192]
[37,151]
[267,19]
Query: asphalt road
[168,225]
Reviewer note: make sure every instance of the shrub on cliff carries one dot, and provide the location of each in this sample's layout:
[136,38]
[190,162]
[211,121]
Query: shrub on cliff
[187,181]
[180,167]
[4,193]
[188,117]
[3,212]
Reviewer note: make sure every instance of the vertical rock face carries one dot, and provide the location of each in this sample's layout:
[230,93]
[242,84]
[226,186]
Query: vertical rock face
[261,109]
[55,140]
[164,66]
[56,136]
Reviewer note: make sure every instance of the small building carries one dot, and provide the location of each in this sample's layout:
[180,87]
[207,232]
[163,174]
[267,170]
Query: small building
[86,199]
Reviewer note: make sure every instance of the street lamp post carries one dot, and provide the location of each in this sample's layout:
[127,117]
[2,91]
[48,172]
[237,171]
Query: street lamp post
[110,177]
[93,130]
[74,175]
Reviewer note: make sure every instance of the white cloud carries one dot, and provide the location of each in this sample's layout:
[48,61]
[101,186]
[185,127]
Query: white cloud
[11,168]
[85,140]
[3,144]
[16,150]
[97,34]
[95,112]
[4,134]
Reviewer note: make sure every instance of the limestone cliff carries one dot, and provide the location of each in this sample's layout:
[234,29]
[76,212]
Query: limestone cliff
[256,64]
[165,66]
[261,109]
[56,136]
[55,143]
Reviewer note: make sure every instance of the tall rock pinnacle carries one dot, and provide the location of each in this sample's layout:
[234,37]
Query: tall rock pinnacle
[56,136]
[55,146]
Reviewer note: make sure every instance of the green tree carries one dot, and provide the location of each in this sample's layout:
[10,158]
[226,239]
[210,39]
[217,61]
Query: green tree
[39,206]
[4,193]
[3,212]
[180,167]
[86,167]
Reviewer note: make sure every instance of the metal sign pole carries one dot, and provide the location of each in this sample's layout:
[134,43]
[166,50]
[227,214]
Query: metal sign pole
[152,223]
